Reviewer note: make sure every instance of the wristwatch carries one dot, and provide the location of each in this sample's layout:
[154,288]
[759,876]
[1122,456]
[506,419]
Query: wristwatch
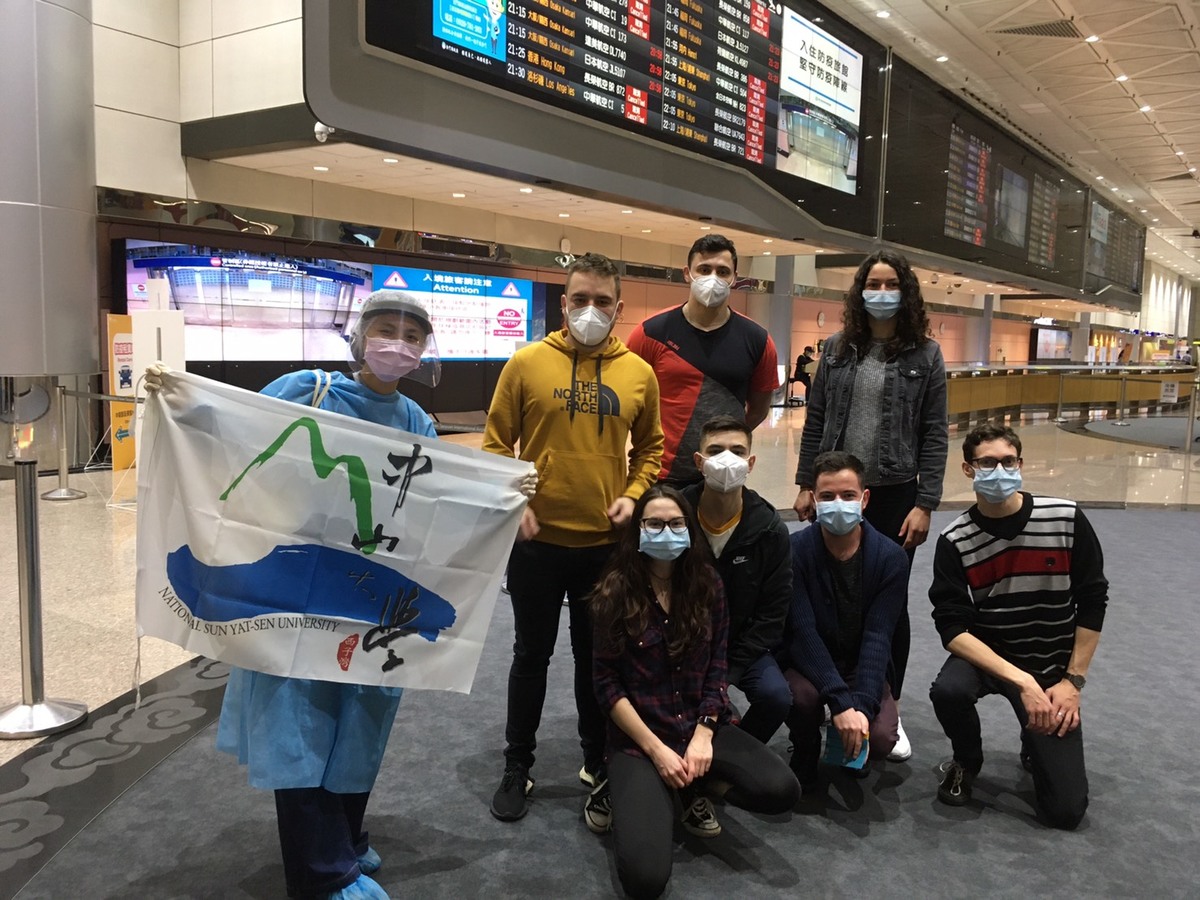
[709,722]
[1077,680]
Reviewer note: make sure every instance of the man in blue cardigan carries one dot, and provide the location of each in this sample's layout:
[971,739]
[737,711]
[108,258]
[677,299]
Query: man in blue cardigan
[849,585]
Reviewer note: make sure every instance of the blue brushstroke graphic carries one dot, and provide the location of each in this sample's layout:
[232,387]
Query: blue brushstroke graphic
[312,580]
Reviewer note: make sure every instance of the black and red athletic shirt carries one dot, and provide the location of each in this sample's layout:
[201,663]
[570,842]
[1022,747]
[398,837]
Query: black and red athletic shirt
[702,374]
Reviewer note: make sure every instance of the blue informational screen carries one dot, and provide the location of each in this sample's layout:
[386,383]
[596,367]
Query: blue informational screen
[474,25]
[475,317]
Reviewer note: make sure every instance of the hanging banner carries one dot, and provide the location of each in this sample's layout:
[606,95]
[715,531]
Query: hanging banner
[300,542]
[120,383]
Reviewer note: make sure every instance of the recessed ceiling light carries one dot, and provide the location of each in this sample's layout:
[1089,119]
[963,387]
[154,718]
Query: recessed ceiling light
[1142,210]
[768,240]
[1179,153]
[1092,38]
[706,228]
[766,253]
[458,195]
[627,212]
[564,215]
[390,160]
[320,168]
[818,251]
[1099,177]
[1122,78]
[1112,188]
[1145,108]
[1191,168]
[1154,220]
[645,231]
[883,14]
[943,59]
[526,190]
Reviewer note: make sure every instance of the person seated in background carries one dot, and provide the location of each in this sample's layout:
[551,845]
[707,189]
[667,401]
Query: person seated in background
[800,375]
[660,631]
[750,545]
[849,584]
[1019,597]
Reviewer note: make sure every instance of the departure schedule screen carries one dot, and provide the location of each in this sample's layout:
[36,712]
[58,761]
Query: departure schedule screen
[744,79]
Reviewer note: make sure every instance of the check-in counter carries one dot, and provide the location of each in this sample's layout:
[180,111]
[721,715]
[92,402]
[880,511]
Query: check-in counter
[983,393]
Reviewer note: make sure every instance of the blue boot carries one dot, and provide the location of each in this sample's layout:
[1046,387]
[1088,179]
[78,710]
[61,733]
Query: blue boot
[369,862]
[362,888]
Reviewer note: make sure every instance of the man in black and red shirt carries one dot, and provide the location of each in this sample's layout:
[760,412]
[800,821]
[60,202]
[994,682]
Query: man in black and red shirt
[710,361]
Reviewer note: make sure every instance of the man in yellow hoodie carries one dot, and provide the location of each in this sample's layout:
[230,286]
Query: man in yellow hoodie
[573,402]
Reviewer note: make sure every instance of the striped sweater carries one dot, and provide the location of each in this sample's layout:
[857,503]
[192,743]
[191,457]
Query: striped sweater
[1021,584]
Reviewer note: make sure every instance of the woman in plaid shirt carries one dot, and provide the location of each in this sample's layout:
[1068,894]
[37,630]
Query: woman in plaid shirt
[661,626]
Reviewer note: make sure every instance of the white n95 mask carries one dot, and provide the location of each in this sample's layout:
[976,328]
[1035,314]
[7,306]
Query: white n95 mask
[726,471]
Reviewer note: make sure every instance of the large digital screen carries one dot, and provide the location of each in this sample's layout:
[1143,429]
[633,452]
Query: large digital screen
[240,306]
[474,316]
[773,86]
[959,185]
[1116,249]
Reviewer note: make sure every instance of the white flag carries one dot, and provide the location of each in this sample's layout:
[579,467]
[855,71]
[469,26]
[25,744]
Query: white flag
[299,542]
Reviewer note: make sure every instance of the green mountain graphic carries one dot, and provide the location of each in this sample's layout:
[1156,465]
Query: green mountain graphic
[324,464]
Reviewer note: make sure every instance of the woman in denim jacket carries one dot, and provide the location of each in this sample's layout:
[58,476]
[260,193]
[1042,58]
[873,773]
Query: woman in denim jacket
[880,393]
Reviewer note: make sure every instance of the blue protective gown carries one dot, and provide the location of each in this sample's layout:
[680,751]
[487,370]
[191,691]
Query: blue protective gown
[296,732]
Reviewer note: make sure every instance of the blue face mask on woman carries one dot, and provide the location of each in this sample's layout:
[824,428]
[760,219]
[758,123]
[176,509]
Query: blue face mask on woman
[839,516]
[881,304]
[667,544]
[997,485]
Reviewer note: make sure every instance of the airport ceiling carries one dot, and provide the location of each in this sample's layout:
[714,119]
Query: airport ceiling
[1121,111]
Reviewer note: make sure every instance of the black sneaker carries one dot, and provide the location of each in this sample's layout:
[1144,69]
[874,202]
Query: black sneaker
[700,818]
[509,803]
[955,787]
[597,812]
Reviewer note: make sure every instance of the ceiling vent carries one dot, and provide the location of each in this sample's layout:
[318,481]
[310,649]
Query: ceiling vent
[1063,28]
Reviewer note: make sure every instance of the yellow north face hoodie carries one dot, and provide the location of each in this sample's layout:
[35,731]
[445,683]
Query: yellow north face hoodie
[573,414]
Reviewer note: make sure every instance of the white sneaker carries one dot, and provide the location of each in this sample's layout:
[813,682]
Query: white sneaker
[903,749]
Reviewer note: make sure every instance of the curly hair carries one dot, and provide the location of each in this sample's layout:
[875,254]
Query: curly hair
[621,601]
[912,325]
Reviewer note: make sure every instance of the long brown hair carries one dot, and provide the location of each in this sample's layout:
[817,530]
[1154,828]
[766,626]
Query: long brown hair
[912,325]
[622,599]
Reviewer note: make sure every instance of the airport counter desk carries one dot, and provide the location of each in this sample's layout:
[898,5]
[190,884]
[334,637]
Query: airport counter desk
[991,393]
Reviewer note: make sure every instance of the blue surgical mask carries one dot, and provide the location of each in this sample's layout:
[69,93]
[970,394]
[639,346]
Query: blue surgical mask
[881,304]
[664,545]
[839,516]
[997,485]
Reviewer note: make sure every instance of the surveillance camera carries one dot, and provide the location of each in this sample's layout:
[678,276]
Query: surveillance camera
[958,284]
[321,132]
[933,279]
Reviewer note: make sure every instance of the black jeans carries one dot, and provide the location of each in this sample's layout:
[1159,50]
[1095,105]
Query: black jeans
[643,808]
[321,836]
[886,511]
[1059,775]
[539,574]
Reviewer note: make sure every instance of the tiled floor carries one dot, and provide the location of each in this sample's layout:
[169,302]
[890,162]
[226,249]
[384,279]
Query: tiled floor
[88,546]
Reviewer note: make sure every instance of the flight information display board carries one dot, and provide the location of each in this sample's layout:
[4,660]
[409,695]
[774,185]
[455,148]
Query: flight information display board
[959,185]
[748,81]
[1116,248]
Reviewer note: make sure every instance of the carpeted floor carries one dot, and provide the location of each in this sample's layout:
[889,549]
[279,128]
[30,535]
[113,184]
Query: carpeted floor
[1160,431]
[189,827]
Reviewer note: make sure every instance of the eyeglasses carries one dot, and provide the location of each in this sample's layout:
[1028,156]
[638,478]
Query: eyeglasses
[988,464]
[656,526]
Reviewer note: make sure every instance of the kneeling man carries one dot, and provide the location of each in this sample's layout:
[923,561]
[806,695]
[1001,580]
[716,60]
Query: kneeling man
[1019,597]
[849,585]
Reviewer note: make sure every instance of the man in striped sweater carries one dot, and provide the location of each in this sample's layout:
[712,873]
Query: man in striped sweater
[1019,596]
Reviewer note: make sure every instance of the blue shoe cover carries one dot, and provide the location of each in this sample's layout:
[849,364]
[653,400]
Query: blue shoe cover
[362,888]
[369,862]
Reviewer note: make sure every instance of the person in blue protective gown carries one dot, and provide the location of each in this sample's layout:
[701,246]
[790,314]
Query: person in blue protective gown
[318,745]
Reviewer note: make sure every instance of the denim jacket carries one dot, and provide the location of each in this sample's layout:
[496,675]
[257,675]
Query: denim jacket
[913,436]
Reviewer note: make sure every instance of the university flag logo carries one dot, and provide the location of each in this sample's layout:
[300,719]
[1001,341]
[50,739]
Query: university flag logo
[303,543]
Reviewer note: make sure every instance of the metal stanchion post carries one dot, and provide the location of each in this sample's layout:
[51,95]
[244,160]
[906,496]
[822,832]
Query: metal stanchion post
[1121,407]
[64,491]
[34,716]
[1191,429]
[1060,419]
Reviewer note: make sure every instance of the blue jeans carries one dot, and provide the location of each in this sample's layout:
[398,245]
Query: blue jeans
[769,695]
